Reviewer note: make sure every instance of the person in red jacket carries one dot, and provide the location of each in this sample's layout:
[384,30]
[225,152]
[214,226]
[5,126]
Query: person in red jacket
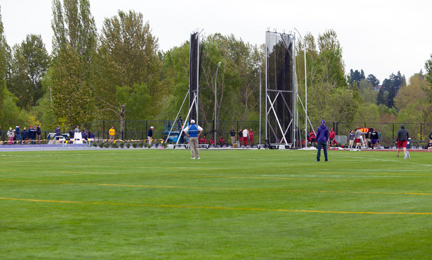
[221,141]
[211,141]
[203,140]
[332,136]
[312,137]
[251,136]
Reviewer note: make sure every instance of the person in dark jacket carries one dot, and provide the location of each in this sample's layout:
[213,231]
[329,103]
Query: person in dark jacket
[233,133]
[38,133]
[402,138]
[150,135]
[18,133]
[24,134]
[58,131]
[322,138]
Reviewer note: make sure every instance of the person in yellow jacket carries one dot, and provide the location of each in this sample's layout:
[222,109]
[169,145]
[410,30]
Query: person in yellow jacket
[112,133]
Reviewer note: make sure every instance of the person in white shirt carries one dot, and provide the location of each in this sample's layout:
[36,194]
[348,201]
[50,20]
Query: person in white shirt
[245,137]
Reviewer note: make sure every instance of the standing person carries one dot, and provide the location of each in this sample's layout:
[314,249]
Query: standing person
[193,131]
[240,136]
[32,133]
[402,138]
[180,123]
[77,129]
[58,131]
[332,136]
[374,138]
[367,139]
[38,133]
[24,134]
[18,133]
[150,135]
[112,133]
[358,137]
[379,137]
[322,138]
[251,136]
[351,136]
[233,133]
[10,134]
[245,137]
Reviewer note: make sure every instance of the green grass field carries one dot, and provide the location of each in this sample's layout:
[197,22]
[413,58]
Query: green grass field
[249,204]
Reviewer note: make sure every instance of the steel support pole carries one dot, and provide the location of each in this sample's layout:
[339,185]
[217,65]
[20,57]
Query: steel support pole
[215,110]
[260,113]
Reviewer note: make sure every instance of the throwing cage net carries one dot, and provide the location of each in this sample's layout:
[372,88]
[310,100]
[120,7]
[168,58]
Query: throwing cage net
[194,61]
[281,89]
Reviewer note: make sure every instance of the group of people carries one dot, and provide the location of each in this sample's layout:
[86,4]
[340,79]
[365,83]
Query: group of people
[245,137]
[211,141]
[372,139]
[85,134]
[193,132]
[32,134]
[402,138]
[331,139]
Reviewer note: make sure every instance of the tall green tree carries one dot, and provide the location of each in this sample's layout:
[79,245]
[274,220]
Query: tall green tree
[328,94]
[380,97]
[127,58]
[2,66]
[74,45]
[30,60]
[373,80]
[428,76]
[37,60]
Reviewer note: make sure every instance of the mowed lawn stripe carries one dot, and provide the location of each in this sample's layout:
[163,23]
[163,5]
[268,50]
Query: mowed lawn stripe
[221,208]
[218,188]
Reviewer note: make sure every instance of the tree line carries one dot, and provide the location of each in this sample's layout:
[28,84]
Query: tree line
[119,73]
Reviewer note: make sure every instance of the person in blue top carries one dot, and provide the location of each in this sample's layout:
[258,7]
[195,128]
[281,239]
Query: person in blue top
[58,131]
[322,137]
[193,131]
[24,134]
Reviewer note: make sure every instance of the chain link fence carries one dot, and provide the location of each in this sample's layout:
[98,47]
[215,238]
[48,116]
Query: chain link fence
[137,129]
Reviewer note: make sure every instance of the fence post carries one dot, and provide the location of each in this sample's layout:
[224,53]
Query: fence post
[421,132]
[393,132]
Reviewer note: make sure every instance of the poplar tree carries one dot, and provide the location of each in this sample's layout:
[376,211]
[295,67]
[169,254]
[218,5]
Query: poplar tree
[74,43]
[2,66]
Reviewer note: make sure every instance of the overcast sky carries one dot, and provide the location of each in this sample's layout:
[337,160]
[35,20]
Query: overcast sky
[380,37]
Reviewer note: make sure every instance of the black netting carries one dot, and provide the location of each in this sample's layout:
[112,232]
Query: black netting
[280,86]
[193,74]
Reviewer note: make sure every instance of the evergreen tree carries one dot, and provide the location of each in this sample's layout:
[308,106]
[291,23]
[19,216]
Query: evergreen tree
[356,76]
[373,80]
[380,98]
[391,96]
